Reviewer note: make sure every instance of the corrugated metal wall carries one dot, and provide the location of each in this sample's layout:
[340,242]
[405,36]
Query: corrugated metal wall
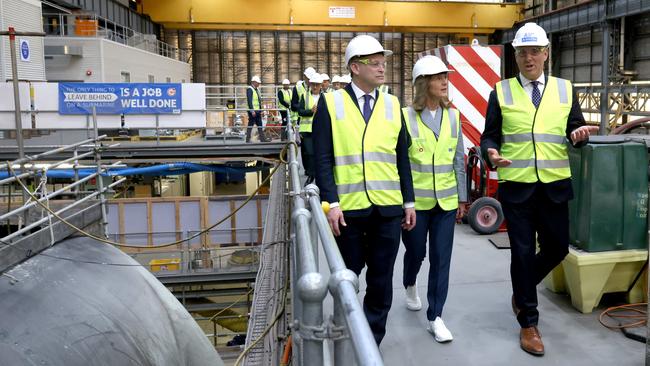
[639,46]
[230,57]
[24,16]
[118,13]
[579,55]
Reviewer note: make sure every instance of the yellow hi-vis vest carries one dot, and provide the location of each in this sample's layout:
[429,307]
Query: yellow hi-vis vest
[286,97]
[305,121]
[256,98]
[301,88]
[535,139]
[432,159]
[365,161]
[383,89]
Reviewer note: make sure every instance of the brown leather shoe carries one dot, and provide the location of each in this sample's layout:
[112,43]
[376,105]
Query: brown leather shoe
[531,341]
[515,309]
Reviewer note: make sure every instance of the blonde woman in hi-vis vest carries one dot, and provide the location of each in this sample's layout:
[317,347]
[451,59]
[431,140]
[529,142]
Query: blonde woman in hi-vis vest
[436,154]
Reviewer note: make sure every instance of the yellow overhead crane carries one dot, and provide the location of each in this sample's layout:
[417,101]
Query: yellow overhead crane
[328,15]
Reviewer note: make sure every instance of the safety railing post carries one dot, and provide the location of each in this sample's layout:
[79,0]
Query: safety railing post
[314,241]
[99,180]
[343,285]
[311,287]
[343,348]
[296,301]
[75,168]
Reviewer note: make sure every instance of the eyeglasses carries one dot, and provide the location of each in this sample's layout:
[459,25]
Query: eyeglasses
[374,65]
[534,51]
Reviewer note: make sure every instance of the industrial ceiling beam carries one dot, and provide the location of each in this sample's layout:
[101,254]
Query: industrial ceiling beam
[328,15]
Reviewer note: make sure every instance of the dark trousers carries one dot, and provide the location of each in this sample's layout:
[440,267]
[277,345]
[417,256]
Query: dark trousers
[307,153]
[255,121]
[283,133]
[372,241]
[438,225]
[550,220]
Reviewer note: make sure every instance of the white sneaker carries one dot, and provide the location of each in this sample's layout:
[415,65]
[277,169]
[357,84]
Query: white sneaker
[440,332]
[413,302]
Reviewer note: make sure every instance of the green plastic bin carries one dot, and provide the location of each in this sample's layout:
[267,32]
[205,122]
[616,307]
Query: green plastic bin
[610,208]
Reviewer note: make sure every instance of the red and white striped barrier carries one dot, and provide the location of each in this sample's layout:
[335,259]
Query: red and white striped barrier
[477,69]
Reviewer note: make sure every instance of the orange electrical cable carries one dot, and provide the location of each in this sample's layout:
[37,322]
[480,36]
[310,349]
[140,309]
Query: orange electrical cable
[636,313]
[286,355]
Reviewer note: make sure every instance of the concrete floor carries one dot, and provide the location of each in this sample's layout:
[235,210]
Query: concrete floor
[479,315]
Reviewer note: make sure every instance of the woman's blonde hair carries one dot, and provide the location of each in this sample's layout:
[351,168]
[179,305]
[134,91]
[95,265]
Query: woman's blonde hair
[421,93]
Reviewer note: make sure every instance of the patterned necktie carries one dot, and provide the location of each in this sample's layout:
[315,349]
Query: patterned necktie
[536,96]
[366,107]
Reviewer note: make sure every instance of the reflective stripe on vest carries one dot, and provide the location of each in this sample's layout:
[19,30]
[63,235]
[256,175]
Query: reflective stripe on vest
[301,88]
[305,121]
[365,168]
[256,98]
[383,89]
[535,139]
[432,159]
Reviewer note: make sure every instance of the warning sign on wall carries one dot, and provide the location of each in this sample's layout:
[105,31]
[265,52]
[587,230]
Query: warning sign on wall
[346,12]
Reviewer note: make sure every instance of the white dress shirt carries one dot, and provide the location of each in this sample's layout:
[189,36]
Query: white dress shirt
[528,85]
[360,99]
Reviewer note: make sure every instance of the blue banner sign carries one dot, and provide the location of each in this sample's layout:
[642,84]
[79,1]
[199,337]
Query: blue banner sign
[119,98]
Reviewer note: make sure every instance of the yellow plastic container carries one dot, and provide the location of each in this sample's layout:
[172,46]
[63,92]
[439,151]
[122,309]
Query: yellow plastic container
[172,264]
[555,280]
[587,276]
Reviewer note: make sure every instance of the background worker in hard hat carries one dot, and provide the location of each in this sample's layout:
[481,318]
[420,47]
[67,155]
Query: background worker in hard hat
[325,88]
[284,102]
[529,119]
[301,88]
[438,167]
[363,171]
[385,89]
[345,80]
[336,82]
[255,109]
[307,109]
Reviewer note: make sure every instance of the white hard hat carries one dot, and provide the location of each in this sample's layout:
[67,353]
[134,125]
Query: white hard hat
[286,82]
[316,78]
[364,45]
[309,71]
[325,77]
[256,79]
[429,65]
[336,79]
[347,78]
[530,34]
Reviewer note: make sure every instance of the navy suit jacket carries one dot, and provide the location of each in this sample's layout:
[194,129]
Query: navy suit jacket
[324,161]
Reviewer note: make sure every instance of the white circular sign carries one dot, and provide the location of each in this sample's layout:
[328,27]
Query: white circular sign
[25,53]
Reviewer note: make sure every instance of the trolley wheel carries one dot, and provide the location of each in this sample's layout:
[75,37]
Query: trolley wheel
[485,215]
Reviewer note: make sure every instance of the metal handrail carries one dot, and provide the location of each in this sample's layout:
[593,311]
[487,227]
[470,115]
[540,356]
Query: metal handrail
[24,173]
[310,225]
[237,93]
